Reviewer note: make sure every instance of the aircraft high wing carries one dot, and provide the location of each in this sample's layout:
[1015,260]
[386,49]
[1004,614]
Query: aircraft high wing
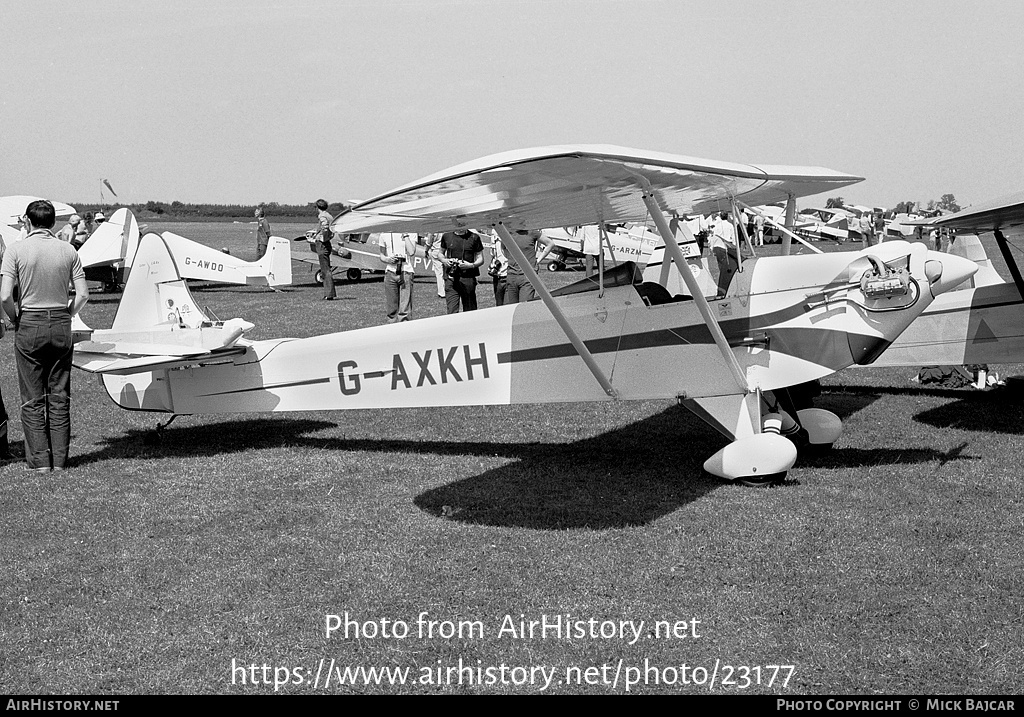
[111,250]
[980,323]
[784,321]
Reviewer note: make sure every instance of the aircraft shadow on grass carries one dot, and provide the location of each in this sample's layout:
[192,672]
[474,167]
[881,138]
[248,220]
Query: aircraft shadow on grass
[996,410]
[625,477]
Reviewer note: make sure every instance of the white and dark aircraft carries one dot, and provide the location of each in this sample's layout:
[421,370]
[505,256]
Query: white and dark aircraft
[618,243]
[785,320]
[357,254]
[109,253]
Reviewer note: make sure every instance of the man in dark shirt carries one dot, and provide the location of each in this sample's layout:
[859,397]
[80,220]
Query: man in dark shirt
[519,287]
[463,253]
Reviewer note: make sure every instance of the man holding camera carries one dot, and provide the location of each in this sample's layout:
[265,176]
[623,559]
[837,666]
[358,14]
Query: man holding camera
[463,254]
[397,251]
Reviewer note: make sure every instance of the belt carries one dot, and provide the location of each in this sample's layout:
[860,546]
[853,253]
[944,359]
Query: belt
[48,312]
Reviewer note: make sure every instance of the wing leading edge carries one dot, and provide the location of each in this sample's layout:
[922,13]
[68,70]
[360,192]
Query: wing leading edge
[580,184]
[1004,214]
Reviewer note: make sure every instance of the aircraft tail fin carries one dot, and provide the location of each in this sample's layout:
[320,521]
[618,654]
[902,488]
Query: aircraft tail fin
[114,240]
[155,293]
[276,264]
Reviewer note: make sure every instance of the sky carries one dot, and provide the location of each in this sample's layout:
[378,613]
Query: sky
[259,100]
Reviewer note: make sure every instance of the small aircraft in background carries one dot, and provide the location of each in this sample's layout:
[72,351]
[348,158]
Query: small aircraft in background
[109,253]
[358,254]
[785,320]
[982,321]
[818,224]
[12,209]
[619,243]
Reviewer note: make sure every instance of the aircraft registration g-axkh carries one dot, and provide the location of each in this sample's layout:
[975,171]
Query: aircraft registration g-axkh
[785,320]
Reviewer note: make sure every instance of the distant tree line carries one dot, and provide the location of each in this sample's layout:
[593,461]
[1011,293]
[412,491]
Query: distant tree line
[213,212]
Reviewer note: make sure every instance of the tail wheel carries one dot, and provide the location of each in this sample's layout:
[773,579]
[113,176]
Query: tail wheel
[555,265]
[354,274]
[319,277]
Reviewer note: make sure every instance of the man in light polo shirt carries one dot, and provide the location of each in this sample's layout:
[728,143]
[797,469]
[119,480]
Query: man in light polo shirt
[43,266]
[398,251]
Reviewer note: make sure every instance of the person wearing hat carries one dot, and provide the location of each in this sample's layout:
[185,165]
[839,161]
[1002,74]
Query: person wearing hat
[70,230]
[100,218]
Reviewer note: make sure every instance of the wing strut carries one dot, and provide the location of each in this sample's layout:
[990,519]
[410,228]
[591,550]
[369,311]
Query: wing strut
[1011,263]
[743,232]
[683,268]
[509,245]
[790,221]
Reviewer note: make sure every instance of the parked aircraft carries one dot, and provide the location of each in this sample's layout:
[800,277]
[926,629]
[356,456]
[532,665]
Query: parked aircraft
[619,243]
[358,254]
[818,223]
[784,321]
[13,207]
[108,255]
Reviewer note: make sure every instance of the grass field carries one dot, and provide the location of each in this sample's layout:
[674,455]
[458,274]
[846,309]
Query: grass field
[163,559]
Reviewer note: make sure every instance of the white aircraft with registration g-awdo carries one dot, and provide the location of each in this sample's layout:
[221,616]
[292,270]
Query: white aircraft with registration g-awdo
[114,244]
[785,320]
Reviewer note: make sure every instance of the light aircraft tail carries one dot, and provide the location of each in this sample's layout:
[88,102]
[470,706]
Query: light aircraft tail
[115,240]
[155,293]
[276,264]
[197,261]
[158,323]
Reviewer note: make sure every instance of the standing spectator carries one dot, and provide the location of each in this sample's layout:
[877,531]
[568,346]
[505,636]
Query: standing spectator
[99,219]
[69,231]
[498,271]
[262,232]
[723,245]
[519,287]
[879,227]
[43,267]
[88,225]
[867,229]
[432,252]
[320,239]
[398,251]
[463,253]
[759,229]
